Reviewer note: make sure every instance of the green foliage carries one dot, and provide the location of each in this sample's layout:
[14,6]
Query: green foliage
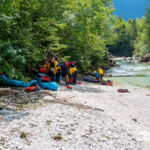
[142,42]
[33,31]
[126,33]
[84,30]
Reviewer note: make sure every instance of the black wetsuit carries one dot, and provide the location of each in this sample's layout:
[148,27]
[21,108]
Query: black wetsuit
[52,68]
[64,69]
[58,72]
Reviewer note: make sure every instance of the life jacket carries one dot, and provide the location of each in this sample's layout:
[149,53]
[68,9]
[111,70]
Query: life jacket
[72,71]
[67,64]
[47,66]
[57,65]
[96,74]
[44,70]
[100,71]
[109,83]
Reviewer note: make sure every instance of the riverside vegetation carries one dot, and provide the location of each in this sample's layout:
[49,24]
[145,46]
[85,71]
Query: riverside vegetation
[33,31]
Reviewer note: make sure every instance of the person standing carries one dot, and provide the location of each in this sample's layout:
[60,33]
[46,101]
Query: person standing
[65,71]
[96,75]
[52,68]
[47,65]
[57,69]
[101,74]
[73,72]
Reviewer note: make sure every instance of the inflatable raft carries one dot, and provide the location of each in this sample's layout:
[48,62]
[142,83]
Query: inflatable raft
[5,81]
[102,82]
[46,85]
[87,79]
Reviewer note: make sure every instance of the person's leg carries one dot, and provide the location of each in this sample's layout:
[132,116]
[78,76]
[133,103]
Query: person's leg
[52,75]
[75,77]
[98,78]
[67,79]
[102,76]
[57,76]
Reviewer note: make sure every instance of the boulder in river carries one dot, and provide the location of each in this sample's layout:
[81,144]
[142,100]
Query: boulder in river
[146,58]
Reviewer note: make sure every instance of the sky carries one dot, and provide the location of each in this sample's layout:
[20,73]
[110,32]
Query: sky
[130,8]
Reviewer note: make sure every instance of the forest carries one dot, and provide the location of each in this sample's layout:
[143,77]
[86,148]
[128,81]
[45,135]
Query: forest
[80,30]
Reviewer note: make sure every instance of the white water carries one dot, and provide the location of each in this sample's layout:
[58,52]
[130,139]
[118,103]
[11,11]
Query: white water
[131,73]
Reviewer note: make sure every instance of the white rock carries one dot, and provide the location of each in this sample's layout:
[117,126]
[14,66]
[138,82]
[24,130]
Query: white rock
[48,98]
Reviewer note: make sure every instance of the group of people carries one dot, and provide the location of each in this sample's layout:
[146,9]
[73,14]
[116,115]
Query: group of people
[67,70]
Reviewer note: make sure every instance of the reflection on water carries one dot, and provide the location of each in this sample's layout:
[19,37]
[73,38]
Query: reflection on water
[131,73]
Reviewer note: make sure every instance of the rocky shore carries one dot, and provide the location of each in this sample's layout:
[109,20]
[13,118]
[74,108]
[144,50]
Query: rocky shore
[90,117]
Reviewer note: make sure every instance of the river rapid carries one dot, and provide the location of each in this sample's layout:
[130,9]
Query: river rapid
[131,73]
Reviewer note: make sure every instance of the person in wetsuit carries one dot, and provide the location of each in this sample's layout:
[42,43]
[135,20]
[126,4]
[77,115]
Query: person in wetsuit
[73,72]
[52,68]
[47,65]
[65,71]
[58,69]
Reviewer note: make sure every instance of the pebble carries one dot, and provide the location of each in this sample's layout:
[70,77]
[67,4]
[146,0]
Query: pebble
[23,135]
[57,136]
[48,98]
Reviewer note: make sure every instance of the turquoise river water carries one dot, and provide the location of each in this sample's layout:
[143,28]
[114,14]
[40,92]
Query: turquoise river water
[137,74]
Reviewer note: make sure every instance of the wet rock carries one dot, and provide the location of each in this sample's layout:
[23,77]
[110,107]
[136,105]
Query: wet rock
[23,135]
[133,139]
[134,119]
[57,137]
[48,122]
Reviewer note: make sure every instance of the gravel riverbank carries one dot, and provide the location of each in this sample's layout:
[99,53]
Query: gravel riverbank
[89,117]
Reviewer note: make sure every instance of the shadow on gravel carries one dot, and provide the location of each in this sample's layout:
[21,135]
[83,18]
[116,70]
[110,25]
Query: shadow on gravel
[8,115]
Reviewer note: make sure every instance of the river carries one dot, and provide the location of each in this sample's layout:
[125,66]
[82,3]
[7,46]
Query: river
[131,73]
